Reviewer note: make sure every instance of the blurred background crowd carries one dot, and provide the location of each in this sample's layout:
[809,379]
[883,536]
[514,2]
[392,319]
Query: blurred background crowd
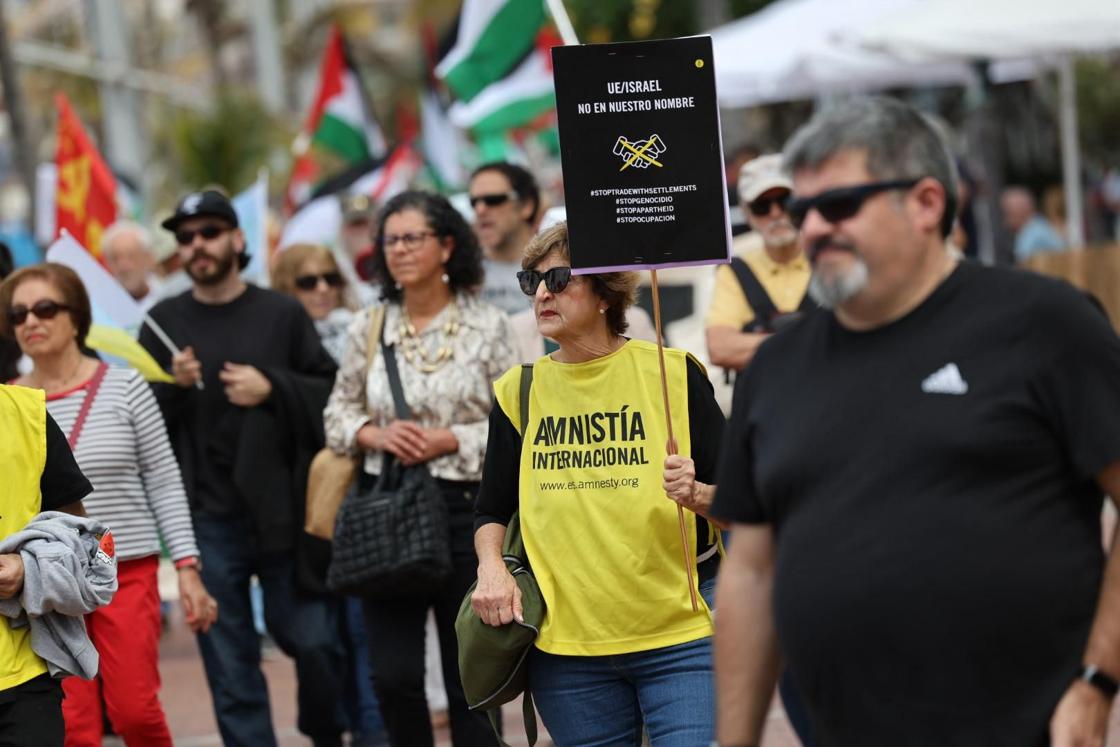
[311,115]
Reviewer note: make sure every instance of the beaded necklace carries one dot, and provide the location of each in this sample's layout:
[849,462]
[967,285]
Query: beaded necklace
[417,353]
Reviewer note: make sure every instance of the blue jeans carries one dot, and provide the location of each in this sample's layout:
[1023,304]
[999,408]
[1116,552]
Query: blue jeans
[604,701]
[306,628]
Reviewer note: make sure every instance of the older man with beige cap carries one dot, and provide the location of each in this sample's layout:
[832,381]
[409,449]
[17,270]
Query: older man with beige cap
[765,285]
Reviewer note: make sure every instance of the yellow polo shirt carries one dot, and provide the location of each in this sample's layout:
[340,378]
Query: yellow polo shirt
[786,284]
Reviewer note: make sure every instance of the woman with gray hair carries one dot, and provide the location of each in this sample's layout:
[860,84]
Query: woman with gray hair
[621,647]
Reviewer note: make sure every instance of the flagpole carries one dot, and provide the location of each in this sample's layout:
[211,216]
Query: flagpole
[167,342]
[671,447]
[563,22]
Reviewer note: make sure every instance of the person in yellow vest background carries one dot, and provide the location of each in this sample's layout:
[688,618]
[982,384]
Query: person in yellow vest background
[39,474]
[765,285]
[621,647]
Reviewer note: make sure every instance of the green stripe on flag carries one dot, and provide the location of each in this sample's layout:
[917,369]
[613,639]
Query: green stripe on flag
[516,113]
[510,34]
[336,135]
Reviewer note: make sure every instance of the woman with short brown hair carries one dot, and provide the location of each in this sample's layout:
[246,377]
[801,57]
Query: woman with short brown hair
[621,648]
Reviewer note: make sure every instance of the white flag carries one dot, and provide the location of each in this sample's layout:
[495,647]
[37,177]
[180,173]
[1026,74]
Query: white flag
[251,207]
[105,292]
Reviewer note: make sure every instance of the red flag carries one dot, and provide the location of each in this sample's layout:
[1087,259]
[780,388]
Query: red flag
[86,195]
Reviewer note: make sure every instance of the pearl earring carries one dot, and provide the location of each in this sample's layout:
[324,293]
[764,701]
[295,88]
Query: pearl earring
[602,311]
[445,278]
[397,286]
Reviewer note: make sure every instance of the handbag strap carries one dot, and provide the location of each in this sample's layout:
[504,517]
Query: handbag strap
[399,402]
[376,324]
[87,403]
[526,384]
[514,545]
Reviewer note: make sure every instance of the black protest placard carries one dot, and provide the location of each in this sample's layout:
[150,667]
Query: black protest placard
[643,161]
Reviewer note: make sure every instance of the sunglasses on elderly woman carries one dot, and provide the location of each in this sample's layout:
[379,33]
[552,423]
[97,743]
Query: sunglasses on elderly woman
[45,309]
[838,205]
[555,280]
[311,282]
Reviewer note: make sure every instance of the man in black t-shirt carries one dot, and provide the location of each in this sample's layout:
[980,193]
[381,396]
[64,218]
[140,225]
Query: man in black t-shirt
[245,417]
[915,474]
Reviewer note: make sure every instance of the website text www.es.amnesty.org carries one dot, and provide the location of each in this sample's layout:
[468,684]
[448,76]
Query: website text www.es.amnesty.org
[612,483]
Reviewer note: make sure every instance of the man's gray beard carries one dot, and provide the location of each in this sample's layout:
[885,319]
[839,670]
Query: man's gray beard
[836,290]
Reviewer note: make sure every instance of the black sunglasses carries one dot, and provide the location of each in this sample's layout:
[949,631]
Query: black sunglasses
[311,282]
[837,205]
[45,309]
[185,236]
[492,200]
[555,280]
[760,208]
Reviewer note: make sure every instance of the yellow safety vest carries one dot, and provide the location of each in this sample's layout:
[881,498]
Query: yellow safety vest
[600,533]
[23,455]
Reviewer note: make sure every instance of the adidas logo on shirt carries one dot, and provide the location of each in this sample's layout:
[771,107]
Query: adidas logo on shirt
[945,380]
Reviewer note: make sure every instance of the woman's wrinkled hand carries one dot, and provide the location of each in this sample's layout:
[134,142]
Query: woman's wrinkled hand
[497,598]
[680,484]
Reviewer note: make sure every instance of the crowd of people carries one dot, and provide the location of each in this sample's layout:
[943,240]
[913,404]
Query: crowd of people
[898,523]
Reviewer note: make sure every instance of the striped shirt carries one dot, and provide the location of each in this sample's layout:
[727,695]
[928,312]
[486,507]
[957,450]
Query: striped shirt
[124,451]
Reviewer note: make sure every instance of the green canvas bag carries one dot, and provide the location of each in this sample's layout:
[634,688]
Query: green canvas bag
[493,662]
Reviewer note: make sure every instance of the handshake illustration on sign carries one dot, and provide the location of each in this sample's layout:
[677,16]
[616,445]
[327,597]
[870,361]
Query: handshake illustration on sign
[640,153]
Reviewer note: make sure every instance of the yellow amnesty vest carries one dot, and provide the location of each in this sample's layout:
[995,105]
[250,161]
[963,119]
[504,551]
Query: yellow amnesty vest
[23,454]
[600,533]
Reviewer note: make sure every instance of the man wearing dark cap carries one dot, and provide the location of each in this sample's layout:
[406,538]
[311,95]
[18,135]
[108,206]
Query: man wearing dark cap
[244,415]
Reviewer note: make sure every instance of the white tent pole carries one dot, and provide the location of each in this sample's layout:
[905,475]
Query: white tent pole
[563,23]
[1071,155]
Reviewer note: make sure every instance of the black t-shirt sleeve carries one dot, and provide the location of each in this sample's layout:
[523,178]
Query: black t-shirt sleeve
[705,423]
[501,470]
[736,499]
[1078,384]
[61,483]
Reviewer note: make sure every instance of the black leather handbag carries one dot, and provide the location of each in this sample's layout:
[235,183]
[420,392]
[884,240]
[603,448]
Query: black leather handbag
[392,541]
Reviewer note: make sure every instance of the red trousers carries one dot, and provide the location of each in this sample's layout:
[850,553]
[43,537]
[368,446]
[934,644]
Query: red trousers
[126,635]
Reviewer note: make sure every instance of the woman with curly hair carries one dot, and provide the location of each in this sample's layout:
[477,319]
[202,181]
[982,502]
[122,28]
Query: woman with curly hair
[449,346]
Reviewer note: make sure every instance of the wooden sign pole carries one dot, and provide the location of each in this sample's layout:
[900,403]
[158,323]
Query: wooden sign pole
[689,564]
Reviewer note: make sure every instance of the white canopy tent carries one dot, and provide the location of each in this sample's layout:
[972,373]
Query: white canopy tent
[994,29]
[792,50]
[959,30]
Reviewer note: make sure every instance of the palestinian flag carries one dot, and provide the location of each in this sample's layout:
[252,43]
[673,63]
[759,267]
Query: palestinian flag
[518,99]
[492,38]
[340,131]
[499,66]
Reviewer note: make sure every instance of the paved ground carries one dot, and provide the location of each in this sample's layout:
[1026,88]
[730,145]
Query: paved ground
[187,702]
[186,698]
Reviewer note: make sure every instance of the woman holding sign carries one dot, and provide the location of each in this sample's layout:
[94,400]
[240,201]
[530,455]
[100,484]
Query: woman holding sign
[621,647]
